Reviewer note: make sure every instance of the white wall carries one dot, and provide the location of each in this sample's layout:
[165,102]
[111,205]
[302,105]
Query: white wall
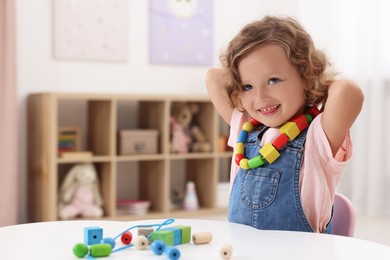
[38,71]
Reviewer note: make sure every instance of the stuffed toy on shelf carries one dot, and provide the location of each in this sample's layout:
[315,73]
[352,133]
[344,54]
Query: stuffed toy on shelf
[80,194]
[185,135]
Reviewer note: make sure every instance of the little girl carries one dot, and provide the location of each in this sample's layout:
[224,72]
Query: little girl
[288,155]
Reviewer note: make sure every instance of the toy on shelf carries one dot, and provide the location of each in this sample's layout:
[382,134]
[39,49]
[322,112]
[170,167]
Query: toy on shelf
[80,194]
[185,135]
[190,199]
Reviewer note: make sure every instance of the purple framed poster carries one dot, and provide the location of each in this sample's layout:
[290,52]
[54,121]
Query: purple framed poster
[181,32]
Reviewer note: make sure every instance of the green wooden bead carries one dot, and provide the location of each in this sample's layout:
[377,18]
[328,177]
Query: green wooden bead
[256,162]
[80,250]
[309,118]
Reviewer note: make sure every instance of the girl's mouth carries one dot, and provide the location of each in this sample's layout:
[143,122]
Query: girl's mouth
[269,110]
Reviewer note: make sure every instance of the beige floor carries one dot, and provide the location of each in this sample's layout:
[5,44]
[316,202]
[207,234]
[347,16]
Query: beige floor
[375,229]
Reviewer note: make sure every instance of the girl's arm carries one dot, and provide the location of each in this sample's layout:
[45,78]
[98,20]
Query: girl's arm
[345,100]
[215,84]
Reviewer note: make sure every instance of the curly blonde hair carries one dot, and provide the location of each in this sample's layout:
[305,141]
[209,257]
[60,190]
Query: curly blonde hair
[312,64]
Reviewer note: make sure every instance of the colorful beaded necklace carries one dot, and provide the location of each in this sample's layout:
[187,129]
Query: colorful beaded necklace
[270,151]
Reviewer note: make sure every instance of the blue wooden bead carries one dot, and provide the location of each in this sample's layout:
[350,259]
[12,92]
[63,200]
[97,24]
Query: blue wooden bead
[93,235]
[172,252]
[108,240]
[158,247]
[242,137]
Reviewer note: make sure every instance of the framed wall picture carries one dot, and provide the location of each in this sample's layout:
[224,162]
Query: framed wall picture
[90,30]
[181,32]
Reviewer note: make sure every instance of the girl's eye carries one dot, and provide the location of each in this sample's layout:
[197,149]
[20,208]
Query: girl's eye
[247,87]
[273,81]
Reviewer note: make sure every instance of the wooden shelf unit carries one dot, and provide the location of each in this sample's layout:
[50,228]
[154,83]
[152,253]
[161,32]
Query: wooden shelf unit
[99,117]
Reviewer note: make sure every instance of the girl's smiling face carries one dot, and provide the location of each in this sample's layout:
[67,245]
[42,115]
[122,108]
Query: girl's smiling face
[272,89]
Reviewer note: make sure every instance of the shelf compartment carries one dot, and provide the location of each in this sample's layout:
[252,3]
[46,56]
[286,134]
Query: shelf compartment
[143,180]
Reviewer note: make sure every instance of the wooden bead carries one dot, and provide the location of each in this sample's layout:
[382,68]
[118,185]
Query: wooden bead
[256,162]
[141,243]
[242,136]
[226,251]
[290,129]
[313,111]
[238,158]
[202,238]
[126,238]
[254,122]
[239,148]
[301,122]
[269,153]
[100,250]
[280,141]
[244,164]
[247,126]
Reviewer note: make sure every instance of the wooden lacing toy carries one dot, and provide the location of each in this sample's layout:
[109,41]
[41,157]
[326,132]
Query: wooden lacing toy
[270,151]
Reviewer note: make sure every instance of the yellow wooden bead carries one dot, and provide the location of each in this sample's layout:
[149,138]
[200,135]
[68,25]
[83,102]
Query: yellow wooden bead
[290,129]
[239,148]
[269,153]
[244,164]
[247,126]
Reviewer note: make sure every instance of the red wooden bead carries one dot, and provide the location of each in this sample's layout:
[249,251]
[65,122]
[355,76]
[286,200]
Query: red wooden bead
[313,111]
[126,238]
[238,158]
[280,141]
[254,122]
[301,122]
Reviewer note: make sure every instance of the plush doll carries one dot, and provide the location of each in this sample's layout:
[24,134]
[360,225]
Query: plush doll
[79,193]
[185,135]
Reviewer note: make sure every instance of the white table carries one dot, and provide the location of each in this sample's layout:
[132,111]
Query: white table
[55,240]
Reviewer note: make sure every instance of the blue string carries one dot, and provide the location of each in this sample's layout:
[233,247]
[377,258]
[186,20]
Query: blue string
[166,222]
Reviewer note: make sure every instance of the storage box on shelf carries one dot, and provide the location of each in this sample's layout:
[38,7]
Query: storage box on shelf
[136,175]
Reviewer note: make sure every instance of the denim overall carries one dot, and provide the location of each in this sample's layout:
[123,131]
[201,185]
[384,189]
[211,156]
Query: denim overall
[268,197]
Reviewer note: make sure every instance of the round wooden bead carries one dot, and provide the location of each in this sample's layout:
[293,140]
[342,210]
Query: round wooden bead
[202,238]
[238,158]
[141,242]
[80,250]
[108,240]
[242,136]
[126,238]
[247,126]
[226,251]
[244,164]
[172,252]
[158,247]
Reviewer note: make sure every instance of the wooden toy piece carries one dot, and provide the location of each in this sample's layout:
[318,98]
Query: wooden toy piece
[126,238]
[313,111]
[176,235]
[280,141]
[226,251]
[301,122]
[290,129]
[80,250]
[158,247]
[165,235]
[190,198]
[141,242]
[172,252]
[185,234]
[256,162]
[100,250]
[109,240]
[145,231]
[202,238]
[269,152]
[93,235]
[244,163]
